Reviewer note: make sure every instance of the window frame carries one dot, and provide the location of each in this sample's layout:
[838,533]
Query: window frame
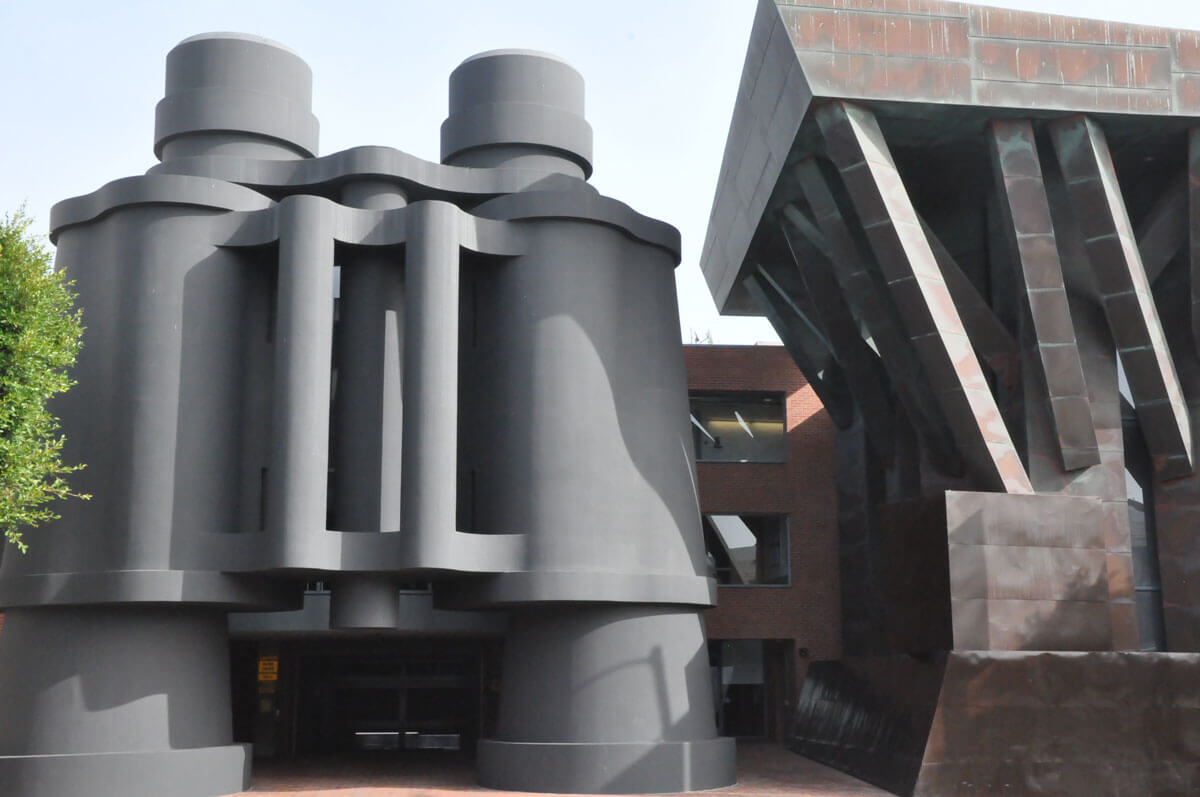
[785,531]
[744,396]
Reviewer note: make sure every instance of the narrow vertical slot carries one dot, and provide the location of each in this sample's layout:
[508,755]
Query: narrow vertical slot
[474,315]
[333,495]
[257,351]
[471,514]
[272,302]
[262,499]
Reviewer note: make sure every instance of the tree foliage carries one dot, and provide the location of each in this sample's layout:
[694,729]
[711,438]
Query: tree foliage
[39,338]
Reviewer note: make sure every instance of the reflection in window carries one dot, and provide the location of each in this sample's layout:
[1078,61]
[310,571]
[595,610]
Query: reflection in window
[738,428]
[747,549]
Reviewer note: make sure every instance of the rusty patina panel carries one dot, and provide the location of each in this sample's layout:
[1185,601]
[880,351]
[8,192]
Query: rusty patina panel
[1095,723]
[1066,64]
[1187,94]
[894,34]
[856,145]
[1027,572]
[1012,94]
[857,75]
[995,722]
[1125,294]
[1186,44]
[1010,24]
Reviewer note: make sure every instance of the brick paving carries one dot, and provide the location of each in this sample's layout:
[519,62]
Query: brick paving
[763,769]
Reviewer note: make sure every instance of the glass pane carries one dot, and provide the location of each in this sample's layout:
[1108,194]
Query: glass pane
[748,428]
[747,549]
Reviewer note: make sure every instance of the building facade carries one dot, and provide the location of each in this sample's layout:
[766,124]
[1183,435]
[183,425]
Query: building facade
[302,687]
[432,680]
[976,232]
[785,625]
[377,373]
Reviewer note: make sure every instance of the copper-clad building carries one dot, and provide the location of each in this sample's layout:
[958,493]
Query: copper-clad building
[977,232]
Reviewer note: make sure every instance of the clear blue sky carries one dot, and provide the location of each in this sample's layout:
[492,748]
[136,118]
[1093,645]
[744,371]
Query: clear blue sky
[81,80]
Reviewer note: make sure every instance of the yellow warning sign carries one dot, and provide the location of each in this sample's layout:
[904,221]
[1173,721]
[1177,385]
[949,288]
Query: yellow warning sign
[268,668]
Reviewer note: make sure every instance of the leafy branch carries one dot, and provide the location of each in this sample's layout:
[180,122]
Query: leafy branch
[40,330]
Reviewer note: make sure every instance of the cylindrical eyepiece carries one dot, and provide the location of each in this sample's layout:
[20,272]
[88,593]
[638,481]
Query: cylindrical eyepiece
[517,108]
[235,94]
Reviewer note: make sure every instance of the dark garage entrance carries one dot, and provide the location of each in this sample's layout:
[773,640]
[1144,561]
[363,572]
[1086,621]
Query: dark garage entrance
[345,694]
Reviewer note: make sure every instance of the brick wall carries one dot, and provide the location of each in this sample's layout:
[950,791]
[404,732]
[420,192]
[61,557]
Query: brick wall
[808,611]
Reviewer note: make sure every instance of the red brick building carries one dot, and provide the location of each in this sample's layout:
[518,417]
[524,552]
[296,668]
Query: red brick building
[798,620]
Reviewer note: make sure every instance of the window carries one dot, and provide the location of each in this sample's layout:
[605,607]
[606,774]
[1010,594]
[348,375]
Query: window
[747,549]
[744,427]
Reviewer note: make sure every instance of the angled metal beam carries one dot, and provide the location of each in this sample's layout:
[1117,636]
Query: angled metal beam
[810,252]
[810,231]
[1125,295]
[866,293]
[860,364]
[1026,211]
[992,341]
[1164,231]
[801,306]
[813,360]
[856,145]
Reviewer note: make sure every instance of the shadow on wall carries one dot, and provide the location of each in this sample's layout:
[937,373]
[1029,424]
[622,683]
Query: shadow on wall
[548,378]
[104,677]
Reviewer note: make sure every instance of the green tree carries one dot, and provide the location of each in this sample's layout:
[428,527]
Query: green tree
[39,338]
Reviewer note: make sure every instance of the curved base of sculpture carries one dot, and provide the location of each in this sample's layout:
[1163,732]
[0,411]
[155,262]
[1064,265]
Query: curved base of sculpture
[117,699]
[607,768]
[198,772]
[606,699]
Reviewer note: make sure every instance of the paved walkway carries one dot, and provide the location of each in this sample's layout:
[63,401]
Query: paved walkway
[763,769]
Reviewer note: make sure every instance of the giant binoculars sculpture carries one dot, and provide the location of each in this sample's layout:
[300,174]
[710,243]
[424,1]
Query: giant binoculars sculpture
[496,404]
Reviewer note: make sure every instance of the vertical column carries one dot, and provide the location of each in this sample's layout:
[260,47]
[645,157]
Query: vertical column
[368,407]
[430,451]
[1177,503]
[1027,211]
[368,410]
[1193,184]
[298,475]
[1106,481]
[1125,292]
